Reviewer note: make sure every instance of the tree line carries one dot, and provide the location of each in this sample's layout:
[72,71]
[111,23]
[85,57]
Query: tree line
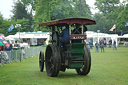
[29,13]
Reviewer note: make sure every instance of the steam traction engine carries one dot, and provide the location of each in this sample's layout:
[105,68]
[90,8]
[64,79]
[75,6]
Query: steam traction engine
[73,55]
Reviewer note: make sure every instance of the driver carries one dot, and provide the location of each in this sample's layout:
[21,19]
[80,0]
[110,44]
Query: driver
[64,37]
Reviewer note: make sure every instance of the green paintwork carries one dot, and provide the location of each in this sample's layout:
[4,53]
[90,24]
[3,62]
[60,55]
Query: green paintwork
[77,49]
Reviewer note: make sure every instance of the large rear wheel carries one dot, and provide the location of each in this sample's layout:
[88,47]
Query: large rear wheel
[87,62]
[52,60]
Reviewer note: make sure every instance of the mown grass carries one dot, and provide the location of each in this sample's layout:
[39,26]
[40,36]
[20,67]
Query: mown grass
[108,68]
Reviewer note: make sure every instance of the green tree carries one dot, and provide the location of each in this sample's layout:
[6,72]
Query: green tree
[21,12]
[43,12]
[4,25]
[1,18]
[29,5]
[24,25]
[82,8]
[101,23]
[59,9]
[122,20]
[110,9]
[75,9]
[1,23]
[107,6]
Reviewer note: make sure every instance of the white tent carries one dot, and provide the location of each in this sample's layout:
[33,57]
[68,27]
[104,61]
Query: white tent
[29,35]
[98,36]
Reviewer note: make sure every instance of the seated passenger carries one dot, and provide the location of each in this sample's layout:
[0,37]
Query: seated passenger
[64,37]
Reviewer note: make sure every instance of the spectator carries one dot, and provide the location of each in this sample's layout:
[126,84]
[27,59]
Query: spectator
[8,47]
[110,43]
[96,46]
[5,57]
[22,54]
[1,48]
[16,44]
[114,45]
[0,58]
[104,42]
[102,45]
[90,44]
[28,41]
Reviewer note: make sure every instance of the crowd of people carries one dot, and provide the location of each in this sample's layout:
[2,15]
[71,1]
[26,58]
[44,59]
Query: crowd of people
[8,47]
[102,43]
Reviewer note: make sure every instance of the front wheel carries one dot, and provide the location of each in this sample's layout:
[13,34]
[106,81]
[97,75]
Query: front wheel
[87,62]
[41,61]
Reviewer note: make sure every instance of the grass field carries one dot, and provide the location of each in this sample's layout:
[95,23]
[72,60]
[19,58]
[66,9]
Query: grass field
[108,68]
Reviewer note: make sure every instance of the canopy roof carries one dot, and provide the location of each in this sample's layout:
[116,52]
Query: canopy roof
[69,21]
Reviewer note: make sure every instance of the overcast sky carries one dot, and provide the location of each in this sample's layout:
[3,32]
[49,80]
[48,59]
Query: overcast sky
[6,7]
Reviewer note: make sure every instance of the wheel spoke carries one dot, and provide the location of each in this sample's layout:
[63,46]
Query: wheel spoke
[40,60]
[50,53]
[51,59]
[51,69]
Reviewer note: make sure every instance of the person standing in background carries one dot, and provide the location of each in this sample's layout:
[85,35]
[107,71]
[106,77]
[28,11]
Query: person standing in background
[104,42]
[114,45]
[96,46]
[0,58]
[102,45]
[90,44]
[110,43]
